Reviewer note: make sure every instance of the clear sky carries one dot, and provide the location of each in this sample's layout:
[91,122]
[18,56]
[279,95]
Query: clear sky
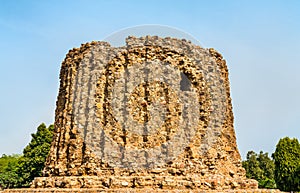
[259,39]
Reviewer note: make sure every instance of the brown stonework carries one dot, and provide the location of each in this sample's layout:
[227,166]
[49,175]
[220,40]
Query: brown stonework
[92,124]
[131,190]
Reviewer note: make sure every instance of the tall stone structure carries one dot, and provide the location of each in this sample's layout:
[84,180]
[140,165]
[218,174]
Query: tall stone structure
[153,115]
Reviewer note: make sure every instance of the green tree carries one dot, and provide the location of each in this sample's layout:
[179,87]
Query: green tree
[287,164]
[261,168]
[251,166]
[34,156]
[8,167]
[8,161]
[266,164]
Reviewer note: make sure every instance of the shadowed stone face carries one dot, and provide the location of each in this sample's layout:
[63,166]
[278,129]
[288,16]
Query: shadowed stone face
[155,113]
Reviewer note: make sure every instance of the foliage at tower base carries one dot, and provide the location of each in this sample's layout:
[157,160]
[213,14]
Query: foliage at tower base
[8,174]
[261,168]
[19,171]
[287,164]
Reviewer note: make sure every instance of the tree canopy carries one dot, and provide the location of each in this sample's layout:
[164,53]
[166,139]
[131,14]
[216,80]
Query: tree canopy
[20,170]
[8,165]
[287,164]
[261,168]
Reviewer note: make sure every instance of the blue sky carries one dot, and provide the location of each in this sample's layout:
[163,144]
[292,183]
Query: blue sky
[259,39]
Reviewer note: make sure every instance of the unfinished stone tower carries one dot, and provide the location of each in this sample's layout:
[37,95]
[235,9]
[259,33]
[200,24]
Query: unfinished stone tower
[154,114]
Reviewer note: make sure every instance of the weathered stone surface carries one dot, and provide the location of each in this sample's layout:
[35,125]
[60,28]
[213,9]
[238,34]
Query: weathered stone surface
[129,190]
[100,144]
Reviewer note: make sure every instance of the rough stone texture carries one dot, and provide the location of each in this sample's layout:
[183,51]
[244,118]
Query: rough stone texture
[92,124]
[91,71]
[129,190]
